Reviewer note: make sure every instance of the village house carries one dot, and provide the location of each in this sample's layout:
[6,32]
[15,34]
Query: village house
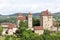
[4,25]
[38,30]
[9,28]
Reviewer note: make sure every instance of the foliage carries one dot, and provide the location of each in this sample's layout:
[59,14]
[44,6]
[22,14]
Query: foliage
[8,19]
[24,34]
[46,32]
[1,29]
[36,22]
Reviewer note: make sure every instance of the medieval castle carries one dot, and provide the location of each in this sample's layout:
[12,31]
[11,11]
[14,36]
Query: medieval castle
[45,18]
[46,22]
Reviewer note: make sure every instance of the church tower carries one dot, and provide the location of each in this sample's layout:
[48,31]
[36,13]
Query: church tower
[29,21]
[46,20]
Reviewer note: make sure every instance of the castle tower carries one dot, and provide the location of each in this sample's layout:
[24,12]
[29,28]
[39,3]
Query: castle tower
[29,21]
[46,20]
[19,18]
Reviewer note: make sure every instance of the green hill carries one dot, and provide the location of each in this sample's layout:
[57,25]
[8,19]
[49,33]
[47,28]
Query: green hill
[13,17]
[57,14]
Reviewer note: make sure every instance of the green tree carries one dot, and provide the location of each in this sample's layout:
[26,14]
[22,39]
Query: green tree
[46,32]
[23,26]
[1,30]
[57,25]
[36,22]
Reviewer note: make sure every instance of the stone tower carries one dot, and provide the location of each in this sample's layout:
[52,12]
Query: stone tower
[29,21]
[46,20]
[20,18]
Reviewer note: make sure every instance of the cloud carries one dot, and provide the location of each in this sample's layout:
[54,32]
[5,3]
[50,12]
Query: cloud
[15,6]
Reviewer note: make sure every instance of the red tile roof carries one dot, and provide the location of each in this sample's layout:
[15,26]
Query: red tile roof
[38,28]
[21,17]
[46,13]
[4,23]
[20,14]
[10,26]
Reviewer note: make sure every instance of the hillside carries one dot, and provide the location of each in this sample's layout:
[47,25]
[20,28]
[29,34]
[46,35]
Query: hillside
[57,14]
[24,14]
[13,17]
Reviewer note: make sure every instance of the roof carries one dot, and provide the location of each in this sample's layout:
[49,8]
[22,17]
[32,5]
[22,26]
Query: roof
[10,26]
[4,23]
[29,13]
[46,13]
[38,28]
[19,14]
[21,17]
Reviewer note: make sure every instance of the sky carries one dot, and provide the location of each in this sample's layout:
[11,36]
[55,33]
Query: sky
[24,6]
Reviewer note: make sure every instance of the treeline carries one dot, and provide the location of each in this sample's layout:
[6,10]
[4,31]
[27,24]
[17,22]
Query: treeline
[29,35]
[8,19]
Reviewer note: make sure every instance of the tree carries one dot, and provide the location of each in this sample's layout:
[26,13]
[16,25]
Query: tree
[36,22]
[23,26]
[57,23]
[46,32]
[1,30]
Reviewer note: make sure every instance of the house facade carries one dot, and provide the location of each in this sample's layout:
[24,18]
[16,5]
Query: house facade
[10,29]
[29,21]
[38,30]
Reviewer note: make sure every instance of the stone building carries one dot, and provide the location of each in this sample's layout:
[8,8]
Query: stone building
[29,19]
[10,29]
[38,30]
[19,18]
[46,20]
[29,15]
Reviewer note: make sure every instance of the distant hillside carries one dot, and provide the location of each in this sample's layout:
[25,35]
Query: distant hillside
[13,17]
[24,14]
[0,15]
[57,14]
[16,14]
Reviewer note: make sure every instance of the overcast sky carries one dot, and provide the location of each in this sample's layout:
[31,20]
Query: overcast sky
[25,6]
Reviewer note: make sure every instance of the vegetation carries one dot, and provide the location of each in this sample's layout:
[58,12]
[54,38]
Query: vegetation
[8,19]
[24,34]
[1,29]
[36,22]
